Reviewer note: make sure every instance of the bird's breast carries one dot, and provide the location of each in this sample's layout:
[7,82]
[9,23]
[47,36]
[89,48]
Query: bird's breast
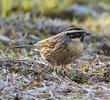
[75,48]
[65,54]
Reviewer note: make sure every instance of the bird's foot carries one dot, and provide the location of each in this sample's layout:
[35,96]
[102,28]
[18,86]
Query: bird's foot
[65,67]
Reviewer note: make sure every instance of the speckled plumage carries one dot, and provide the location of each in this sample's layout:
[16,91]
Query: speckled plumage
[62,48]
[58,50]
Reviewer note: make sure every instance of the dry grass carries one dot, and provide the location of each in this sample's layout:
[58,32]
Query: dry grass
[25,75]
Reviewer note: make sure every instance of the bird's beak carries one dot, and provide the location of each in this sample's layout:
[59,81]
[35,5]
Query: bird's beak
[87,33]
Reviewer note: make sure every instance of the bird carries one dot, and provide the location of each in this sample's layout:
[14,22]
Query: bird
[62,48]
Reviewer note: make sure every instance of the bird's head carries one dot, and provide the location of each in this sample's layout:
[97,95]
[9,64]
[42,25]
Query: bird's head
[76,33]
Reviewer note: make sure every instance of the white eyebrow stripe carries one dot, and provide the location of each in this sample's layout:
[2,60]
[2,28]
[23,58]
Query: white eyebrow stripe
[72,31]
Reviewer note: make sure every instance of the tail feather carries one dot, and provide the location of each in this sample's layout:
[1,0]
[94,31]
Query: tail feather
[24,46]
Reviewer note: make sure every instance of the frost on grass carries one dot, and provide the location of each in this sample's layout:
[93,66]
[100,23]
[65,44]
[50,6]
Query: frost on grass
[25,75]
[27,78]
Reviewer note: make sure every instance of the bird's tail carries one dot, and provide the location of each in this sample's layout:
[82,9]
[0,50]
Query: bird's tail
[25,46]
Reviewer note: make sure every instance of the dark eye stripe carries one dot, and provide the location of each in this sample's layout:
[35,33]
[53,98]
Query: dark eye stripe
[75,35]
[74,32]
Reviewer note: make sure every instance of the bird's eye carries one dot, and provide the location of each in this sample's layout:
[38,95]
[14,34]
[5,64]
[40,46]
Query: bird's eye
[75,35]
[78,35]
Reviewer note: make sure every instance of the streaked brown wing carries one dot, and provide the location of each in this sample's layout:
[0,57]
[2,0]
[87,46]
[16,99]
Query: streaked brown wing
[50,42]
[62,42]
[55,41]
[46,43]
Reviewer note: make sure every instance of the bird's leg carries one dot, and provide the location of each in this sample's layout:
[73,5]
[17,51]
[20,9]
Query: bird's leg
[65,67]
[51,67]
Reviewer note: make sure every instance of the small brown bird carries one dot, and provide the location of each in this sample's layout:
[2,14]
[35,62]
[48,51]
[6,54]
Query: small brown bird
[62,48]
